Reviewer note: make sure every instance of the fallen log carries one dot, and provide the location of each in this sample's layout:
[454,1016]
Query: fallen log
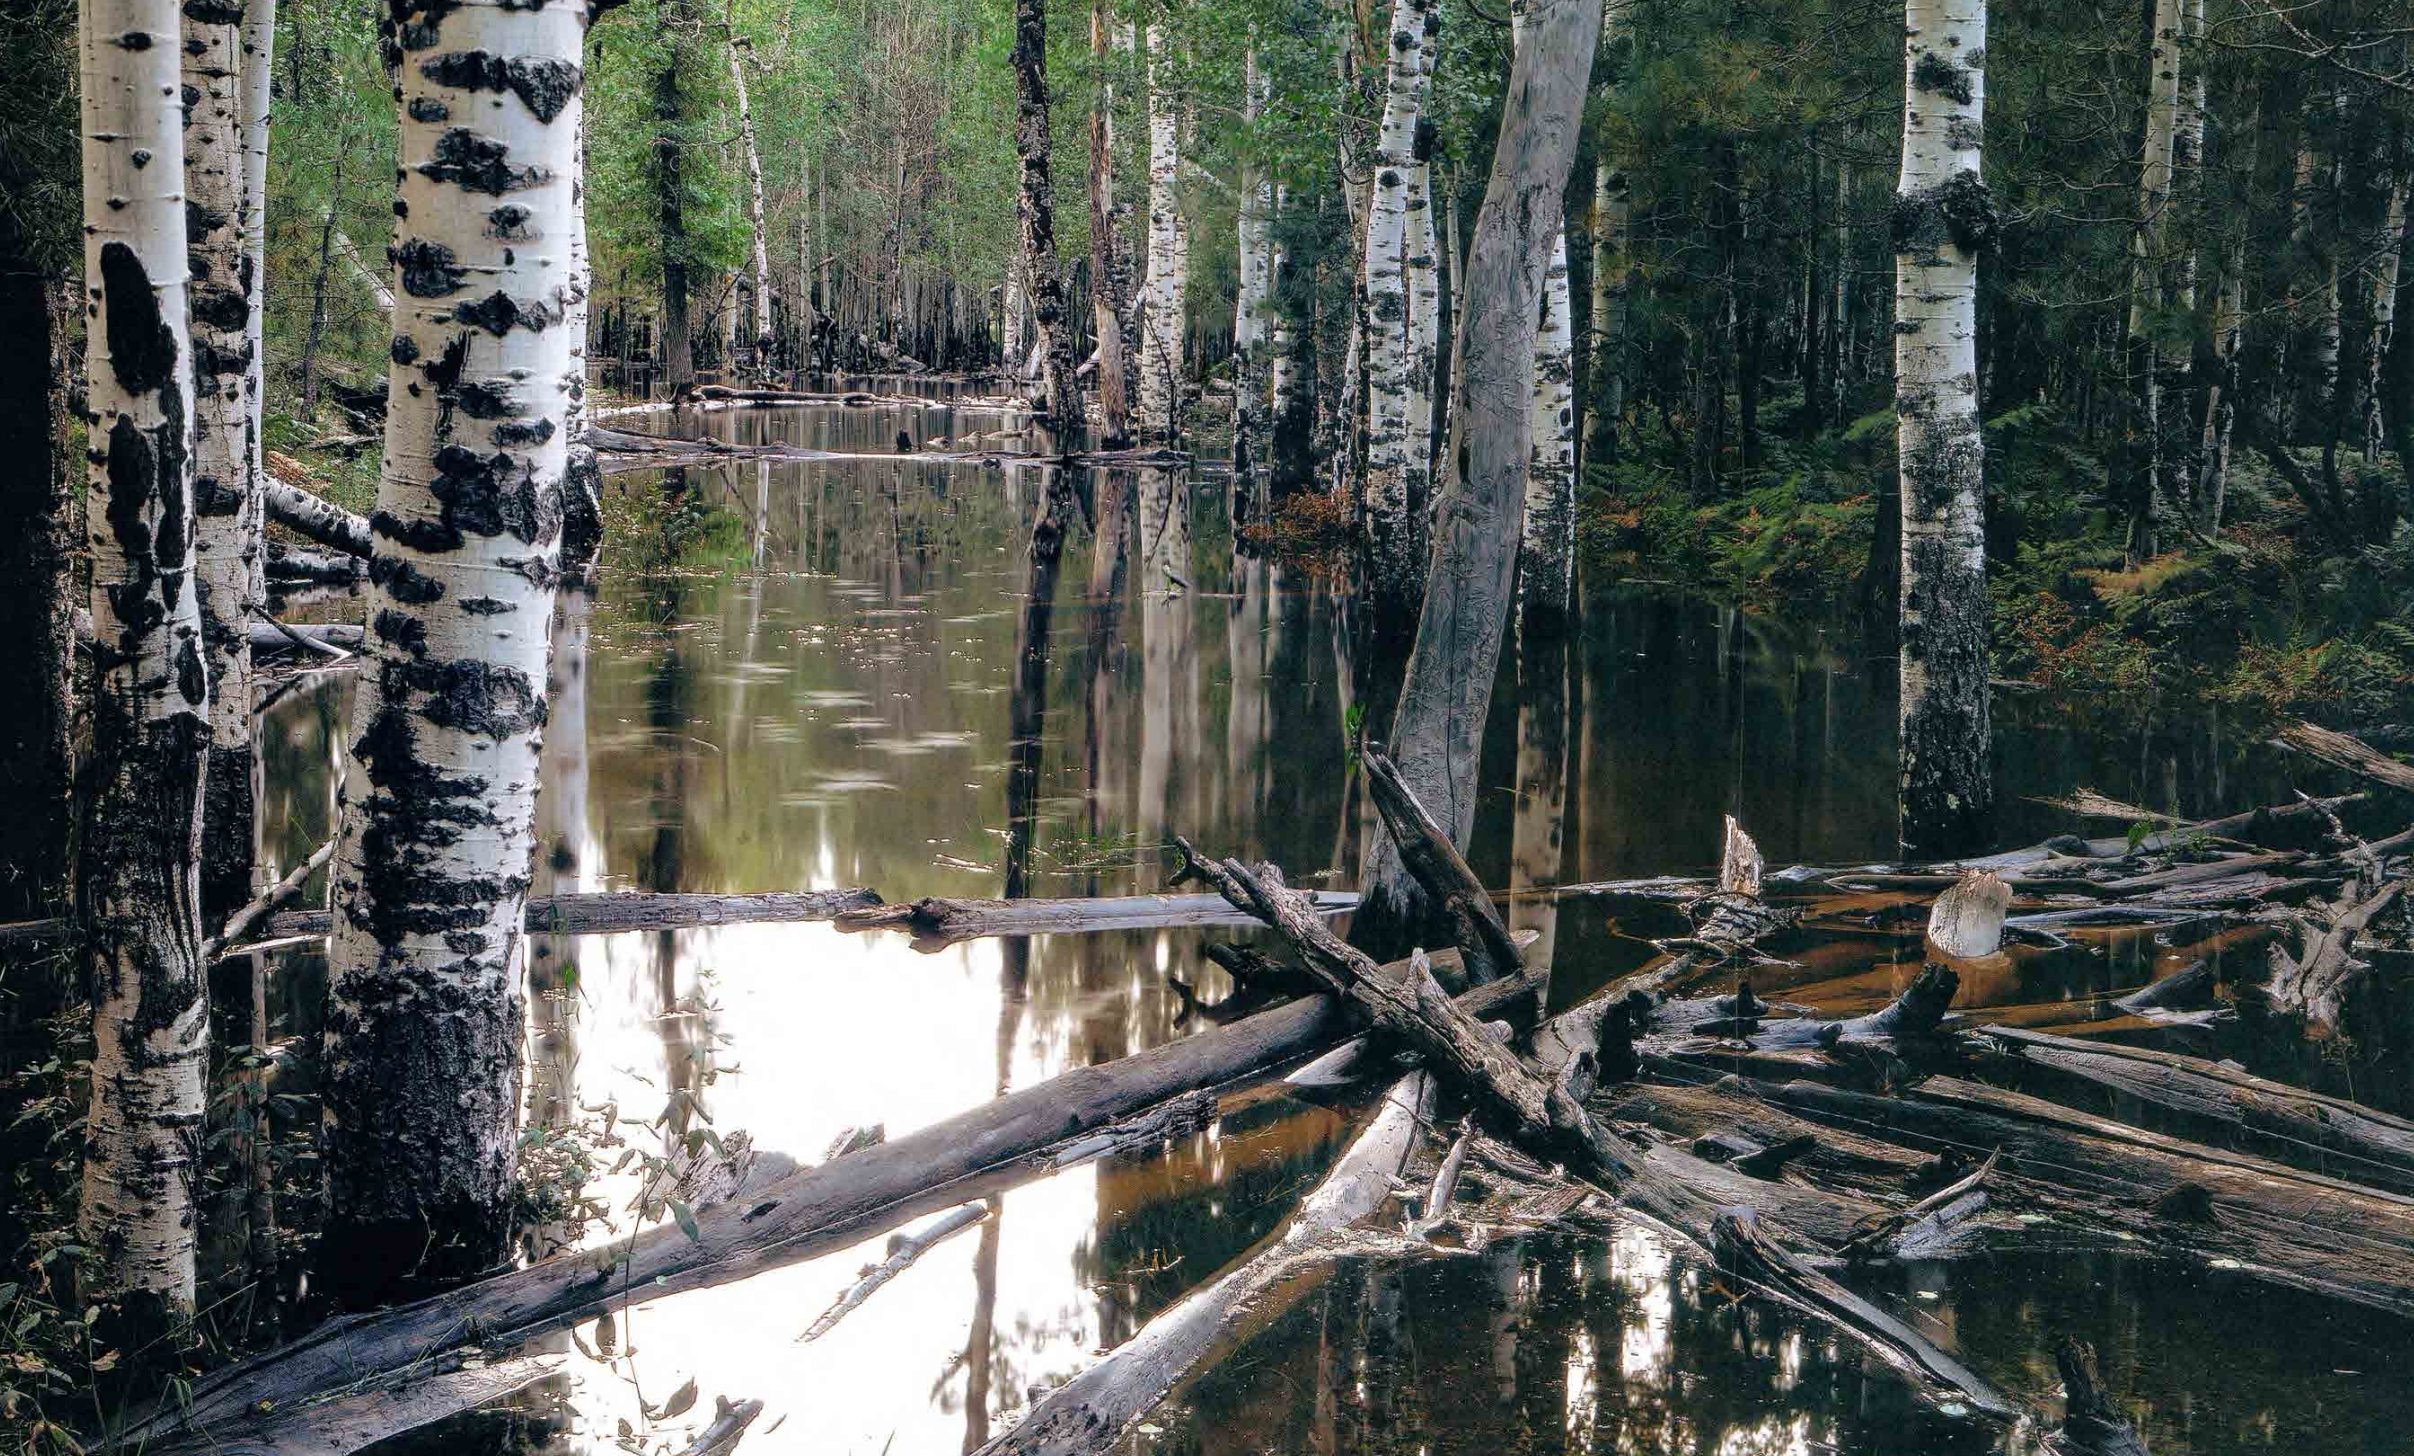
[1915,1015]
[2215,1101]
[2092,1425]
[2341,751]
[287,565]
[323,521]
[1454,891]
[936,923]
[903,1250]
[271,637]
[2314,983]
[817,1210]
[729,1422]
[2183,990]
[1090,1412]
[239,925]
[348,1422]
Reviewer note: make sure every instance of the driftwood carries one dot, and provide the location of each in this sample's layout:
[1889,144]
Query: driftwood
[2314,982]
[729,1423]
[1427,853]
[1091,1411]
[903,1250]
[937,923]
[865,1193]
[2341,751]
[2092,1425]
[320,520]
[2215,1101]
[239,925]
[345,1423]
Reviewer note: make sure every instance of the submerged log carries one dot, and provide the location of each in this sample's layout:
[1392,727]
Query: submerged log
[1916,1015]
[936,923]
[2092,1425]
[867,1192]
[1090,1412]
[2315,982]
[729,1422]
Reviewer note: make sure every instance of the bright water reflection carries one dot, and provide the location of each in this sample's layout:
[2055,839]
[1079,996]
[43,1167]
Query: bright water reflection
[816,690]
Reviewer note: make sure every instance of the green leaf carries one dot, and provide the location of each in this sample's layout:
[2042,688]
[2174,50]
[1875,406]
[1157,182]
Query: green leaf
[2138,833]
[687,1221]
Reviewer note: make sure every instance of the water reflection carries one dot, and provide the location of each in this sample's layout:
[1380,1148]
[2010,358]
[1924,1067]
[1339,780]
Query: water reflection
[850,674]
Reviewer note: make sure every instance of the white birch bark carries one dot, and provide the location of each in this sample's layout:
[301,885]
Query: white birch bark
[759,340]
[2389,247]
[1253,303]
[139,886]
[1547,553]
[1393,566]
[1605,400]
[1424,357]
[424,1016]
[1943,219]
[1287,400]
[1162,341]
[226,487]
[2149,479]
[1015,335]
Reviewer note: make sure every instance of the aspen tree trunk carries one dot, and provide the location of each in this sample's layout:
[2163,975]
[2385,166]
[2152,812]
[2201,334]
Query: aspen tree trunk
[759,339]
[1109,304]
[1036,210]
[2229,330]
[582,477]
[1393,568]
[2176,456]
[1011,333]
[2145,482]
[2383,311]
[1943,219]
[1547,555]
[1839,326]
[1251,306]
[139,883]
[1292,409]
[1437,730]
[226,487]
[1605,396]
[553,979]
[424,1015]
[1161,327]
[1424,352]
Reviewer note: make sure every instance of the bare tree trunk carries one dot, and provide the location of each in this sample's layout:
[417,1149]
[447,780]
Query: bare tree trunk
[1109,305]
[2142,471]
[1547,555]
[226,486]
[1605,396]
[1250,307]
[676,347]
[2221,391]
[139,878]
[1437,731]
[1162,341]
[1943,220]
[424,1016]
[1393,574]
[759,338]
[1036,209]
[582,477]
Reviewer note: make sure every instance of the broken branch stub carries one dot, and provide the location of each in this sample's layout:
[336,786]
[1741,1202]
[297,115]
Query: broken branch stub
[1966,922]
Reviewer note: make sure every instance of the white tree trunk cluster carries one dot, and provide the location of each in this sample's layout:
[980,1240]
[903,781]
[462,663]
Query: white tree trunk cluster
[421,1067]
[1943,219]
[139,885]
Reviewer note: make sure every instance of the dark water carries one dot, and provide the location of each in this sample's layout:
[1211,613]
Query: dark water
[815,686]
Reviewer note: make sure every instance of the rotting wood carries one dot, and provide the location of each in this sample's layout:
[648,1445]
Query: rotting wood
[1966,921]
[345,1423]
[2315,982]
[903,1250]
[936,923]
[2092,1424]
[2341,751]
[1091,1411]
[1451,887]
[985,1149]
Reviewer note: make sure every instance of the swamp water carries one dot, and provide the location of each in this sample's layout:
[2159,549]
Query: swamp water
[815,686]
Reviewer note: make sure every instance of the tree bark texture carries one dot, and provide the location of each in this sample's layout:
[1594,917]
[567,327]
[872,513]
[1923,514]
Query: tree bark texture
[1393,571]
[1252,303]
[424,1013]
[1163,344]
[1035,209]
[676,346]
[759,338]
[139,888]
[226,489]
[1437,730]
[1109,305]
[1547,554]
[1605,394]
[1942,220]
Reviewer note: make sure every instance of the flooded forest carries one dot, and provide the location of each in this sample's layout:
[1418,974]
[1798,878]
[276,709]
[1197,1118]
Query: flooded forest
[1206,727]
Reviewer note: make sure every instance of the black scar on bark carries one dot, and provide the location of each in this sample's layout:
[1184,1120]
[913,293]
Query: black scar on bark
[543,85]
[429,110]
[508,223]
[474,696]
[485,402]
[426,270]
[191,682]
[495,495]
[417,22]
[1427,139]
[132,469]
[498,313]
[1932,72]
[477,164]
[213,498]
[402,630]
[400,580]
[142,348]
[135,40]
[403,350]
[513,433]
[220,308]
[208,12]
[200,222]
[484,606]
[1958,208]
[172,543]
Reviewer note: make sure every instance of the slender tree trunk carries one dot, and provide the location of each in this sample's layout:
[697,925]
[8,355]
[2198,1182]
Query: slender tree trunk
[424,1016]
[317,329]
[1437,730]
[1109,304]
[226,487]
[1162,340]
[2229,333]
[2382,315]
[1036,210]
[1292,384]
[759,338]
[1943,220]
[676,347]
[1251,307]
[1012,313]
[1424,345]
[1839,324]
[1605,396]
[582,477]
[1393,568]
[1547,555]
[139,882]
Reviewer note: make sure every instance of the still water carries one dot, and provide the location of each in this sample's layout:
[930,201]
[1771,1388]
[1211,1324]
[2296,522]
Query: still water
[804,675]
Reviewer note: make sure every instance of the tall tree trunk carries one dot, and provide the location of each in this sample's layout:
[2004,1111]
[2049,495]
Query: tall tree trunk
[1012,313]
[582,477]
[676,349]
[1547,555]
[1036,210]
[1250,309]
[1437,730]
[2229,336]
[139,877]
[1292,384]
[1605,392]
[2381,318]
[424,1015]
[2146,476]
[1424,340]
[759,337]
[1162,339]
[226,486]
[1943,219]
[1393,568]
[1109,304]
[1839,323]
